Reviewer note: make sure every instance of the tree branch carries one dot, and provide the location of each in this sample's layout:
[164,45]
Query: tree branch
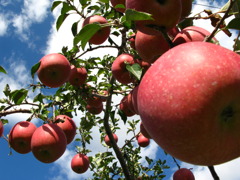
[5,113]
[213,172]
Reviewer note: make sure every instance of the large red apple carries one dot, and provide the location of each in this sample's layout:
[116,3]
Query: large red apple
[107,139]
[118,2]
[48,143]
[80,163]
[119,71]
[150,47]
[1,128]
[192,33]
[20,136]
[54,70]
[100,36]
[68,126]
[183,174]
[189,103]
[142,140]
[78,76]
[166,13]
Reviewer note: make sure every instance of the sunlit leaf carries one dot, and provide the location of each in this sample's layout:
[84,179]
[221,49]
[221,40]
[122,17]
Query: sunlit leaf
[19,95]
[133,15]
[34,69]
[135,70]
[3,70]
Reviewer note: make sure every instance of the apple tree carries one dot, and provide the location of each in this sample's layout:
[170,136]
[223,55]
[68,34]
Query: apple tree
[113,90]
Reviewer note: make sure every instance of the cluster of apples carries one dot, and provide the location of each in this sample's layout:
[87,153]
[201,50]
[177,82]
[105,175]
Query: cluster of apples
[47,142]
[188,99]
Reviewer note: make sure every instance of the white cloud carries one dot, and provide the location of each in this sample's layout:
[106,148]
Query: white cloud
[3,25]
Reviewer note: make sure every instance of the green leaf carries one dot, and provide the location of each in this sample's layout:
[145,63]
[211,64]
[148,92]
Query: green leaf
[135,70]
[123,116]
[86,33]
[133,15]
[3,70]
[4,121]
[60,20]
[234,24]
[35,68]
[66,8]
[236,8]
[19,95]
[7,90]
[55,4]
[74,28]
[38,98]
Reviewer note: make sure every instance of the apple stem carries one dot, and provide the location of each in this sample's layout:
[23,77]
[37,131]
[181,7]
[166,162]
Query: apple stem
[213,172]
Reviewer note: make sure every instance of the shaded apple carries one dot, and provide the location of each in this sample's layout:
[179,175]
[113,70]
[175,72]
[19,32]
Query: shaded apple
[119,71]
[68,126]
[118,2]
[48,143]
[144,131]
[20,136]
[80,163]
[126,107]
[134,99]
[78,76]
[94,101]
[192,33]
[107,139]
[54,70]
[166,13]
[100,36]
[94,110]
[189,101]
[150,47]
[183,174]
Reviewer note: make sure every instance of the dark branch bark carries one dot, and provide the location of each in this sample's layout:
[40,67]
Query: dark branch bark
[213,172]
[14,111]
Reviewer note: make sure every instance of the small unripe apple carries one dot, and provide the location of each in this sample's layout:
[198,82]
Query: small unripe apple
[107,140]
[48,143]
[183,174]
[100,36]
[68,126]
[116,2]
[142,140]
[78,76]
[54,70]
[80,163]
[20,136]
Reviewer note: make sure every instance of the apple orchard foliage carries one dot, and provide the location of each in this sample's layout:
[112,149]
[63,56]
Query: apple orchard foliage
[72,100]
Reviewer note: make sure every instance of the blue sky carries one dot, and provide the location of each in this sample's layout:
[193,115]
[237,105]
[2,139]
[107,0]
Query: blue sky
[27,32]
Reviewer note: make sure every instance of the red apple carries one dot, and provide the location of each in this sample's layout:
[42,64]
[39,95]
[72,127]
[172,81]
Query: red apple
[80,163]
[68,126]
[144,131]
[48,143]
[78,76]
[94,110]
[119,71]
[189,102]
[100,36]
[126,107]
[173,32]
[54,70]
[183,174]
[134,99]
[166,13]
[118,2]
[20,136]
[192,33]
[142,140]
[107,139]
[150,47]
[1,128]
[94,101]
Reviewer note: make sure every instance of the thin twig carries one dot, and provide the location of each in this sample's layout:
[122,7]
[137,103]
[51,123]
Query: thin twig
[213,172]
